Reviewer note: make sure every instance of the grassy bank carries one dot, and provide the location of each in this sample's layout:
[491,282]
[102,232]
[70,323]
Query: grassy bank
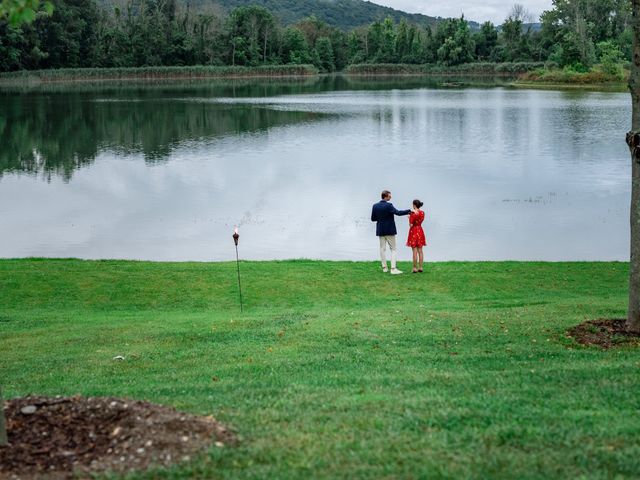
[595,77]
[153,73]
[473,69]
[338,371]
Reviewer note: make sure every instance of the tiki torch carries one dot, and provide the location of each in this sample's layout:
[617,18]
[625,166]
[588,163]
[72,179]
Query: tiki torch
[236,237]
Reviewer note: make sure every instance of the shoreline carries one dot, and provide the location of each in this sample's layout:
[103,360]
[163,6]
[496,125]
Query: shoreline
[486,71]
[80,75]
[613,86]
[298,261]
[154,79]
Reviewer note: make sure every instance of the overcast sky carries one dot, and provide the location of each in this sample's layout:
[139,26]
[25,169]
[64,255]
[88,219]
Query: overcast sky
[480,11]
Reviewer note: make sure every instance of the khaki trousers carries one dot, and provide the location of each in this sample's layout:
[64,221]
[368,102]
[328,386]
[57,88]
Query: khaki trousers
[391,241]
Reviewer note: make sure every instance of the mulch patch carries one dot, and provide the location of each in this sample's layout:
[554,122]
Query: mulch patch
[64,437]
[604,333]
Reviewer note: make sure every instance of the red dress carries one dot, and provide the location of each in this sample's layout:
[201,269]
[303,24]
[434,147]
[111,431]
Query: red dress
[416,234]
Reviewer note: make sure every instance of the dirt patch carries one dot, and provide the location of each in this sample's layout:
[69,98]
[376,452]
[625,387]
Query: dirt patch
[604,333]
[62,437]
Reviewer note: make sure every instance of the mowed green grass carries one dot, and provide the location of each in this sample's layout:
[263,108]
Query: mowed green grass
[338,371]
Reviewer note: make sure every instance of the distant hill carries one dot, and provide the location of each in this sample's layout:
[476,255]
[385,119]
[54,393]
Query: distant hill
[345,14]
[534,27]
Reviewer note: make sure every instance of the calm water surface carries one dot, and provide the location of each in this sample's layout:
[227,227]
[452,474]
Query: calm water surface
[164,172]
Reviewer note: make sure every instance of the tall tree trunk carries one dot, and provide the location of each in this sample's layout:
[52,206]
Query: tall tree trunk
[264,51]
[3,424]
[633,140]
[233,55]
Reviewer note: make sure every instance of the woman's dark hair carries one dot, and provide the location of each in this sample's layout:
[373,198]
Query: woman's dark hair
[417,203]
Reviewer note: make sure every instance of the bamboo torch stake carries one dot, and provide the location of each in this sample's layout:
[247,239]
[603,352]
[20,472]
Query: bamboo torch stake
[236,237]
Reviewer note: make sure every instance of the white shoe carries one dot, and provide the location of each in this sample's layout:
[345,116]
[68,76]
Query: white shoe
[385,269]
[395,271]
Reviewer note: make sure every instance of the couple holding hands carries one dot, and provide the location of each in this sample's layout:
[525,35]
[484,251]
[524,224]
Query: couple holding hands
[383,214]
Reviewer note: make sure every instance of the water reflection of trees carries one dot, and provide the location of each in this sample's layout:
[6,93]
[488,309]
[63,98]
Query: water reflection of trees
[56,129]
[56,134]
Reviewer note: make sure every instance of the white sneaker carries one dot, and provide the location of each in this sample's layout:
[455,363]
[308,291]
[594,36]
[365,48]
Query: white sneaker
[395,271]
[385,269]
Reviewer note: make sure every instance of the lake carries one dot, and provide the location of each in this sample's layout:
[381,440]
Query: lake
[164,171]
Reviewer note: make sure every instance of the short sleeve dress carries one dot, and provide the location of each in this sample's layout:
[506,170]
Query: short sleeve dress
[416,234]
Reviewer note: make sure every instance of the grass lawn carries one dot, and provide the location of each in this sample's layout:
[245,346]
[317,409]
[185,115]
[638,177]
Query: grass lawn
[338,371]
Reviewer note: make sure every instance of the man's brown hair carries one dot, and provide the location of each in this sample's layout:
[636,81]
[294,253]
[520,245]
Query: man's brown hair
[385,194]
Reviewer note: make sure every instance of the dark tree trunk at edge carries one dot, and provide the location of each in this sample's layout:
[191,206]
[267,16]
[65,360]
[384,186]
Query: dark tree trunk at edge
[3,425]
[633,140]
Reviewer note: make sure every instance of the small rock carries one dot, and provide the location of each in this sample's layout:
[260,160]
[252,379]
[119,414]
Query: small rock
[148,444]
[185,438]
[116,431]
[29,409]
[140,451]
[219,444]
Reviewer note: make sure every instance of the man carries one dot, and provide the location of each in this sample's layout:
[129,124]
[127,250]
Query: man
[383,213]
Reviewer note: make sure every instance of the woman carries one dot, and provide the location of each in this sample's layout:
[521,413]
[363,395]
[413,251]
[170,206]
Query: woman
[416,238]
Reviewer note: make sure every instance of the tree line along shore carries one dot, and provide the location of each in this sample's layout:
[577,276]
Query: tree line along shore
[89,40]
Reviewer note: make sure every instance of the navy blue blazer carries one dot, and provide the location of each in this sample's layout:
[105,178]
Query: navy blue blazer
[383,212]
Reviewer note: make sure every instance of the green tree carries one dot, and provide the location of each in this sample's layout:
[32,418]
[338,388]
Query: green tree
[314,29]
[374,40]
[511,39]
[12,43]
[458,47]
[68,37]
[208,38]
[576,50]
[386,52]
[430,47]
[610,58]
[238,51]
[295,48]
[486,40]
[416,46]
[403,43]
[326,59]
[572,27]
[17,12]
[257,26]
[356,47]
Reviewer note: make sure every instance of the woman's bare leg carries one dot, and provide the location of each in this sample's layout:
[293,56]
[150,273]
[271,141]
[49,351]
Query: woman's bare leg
[420,258]
[415,258]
